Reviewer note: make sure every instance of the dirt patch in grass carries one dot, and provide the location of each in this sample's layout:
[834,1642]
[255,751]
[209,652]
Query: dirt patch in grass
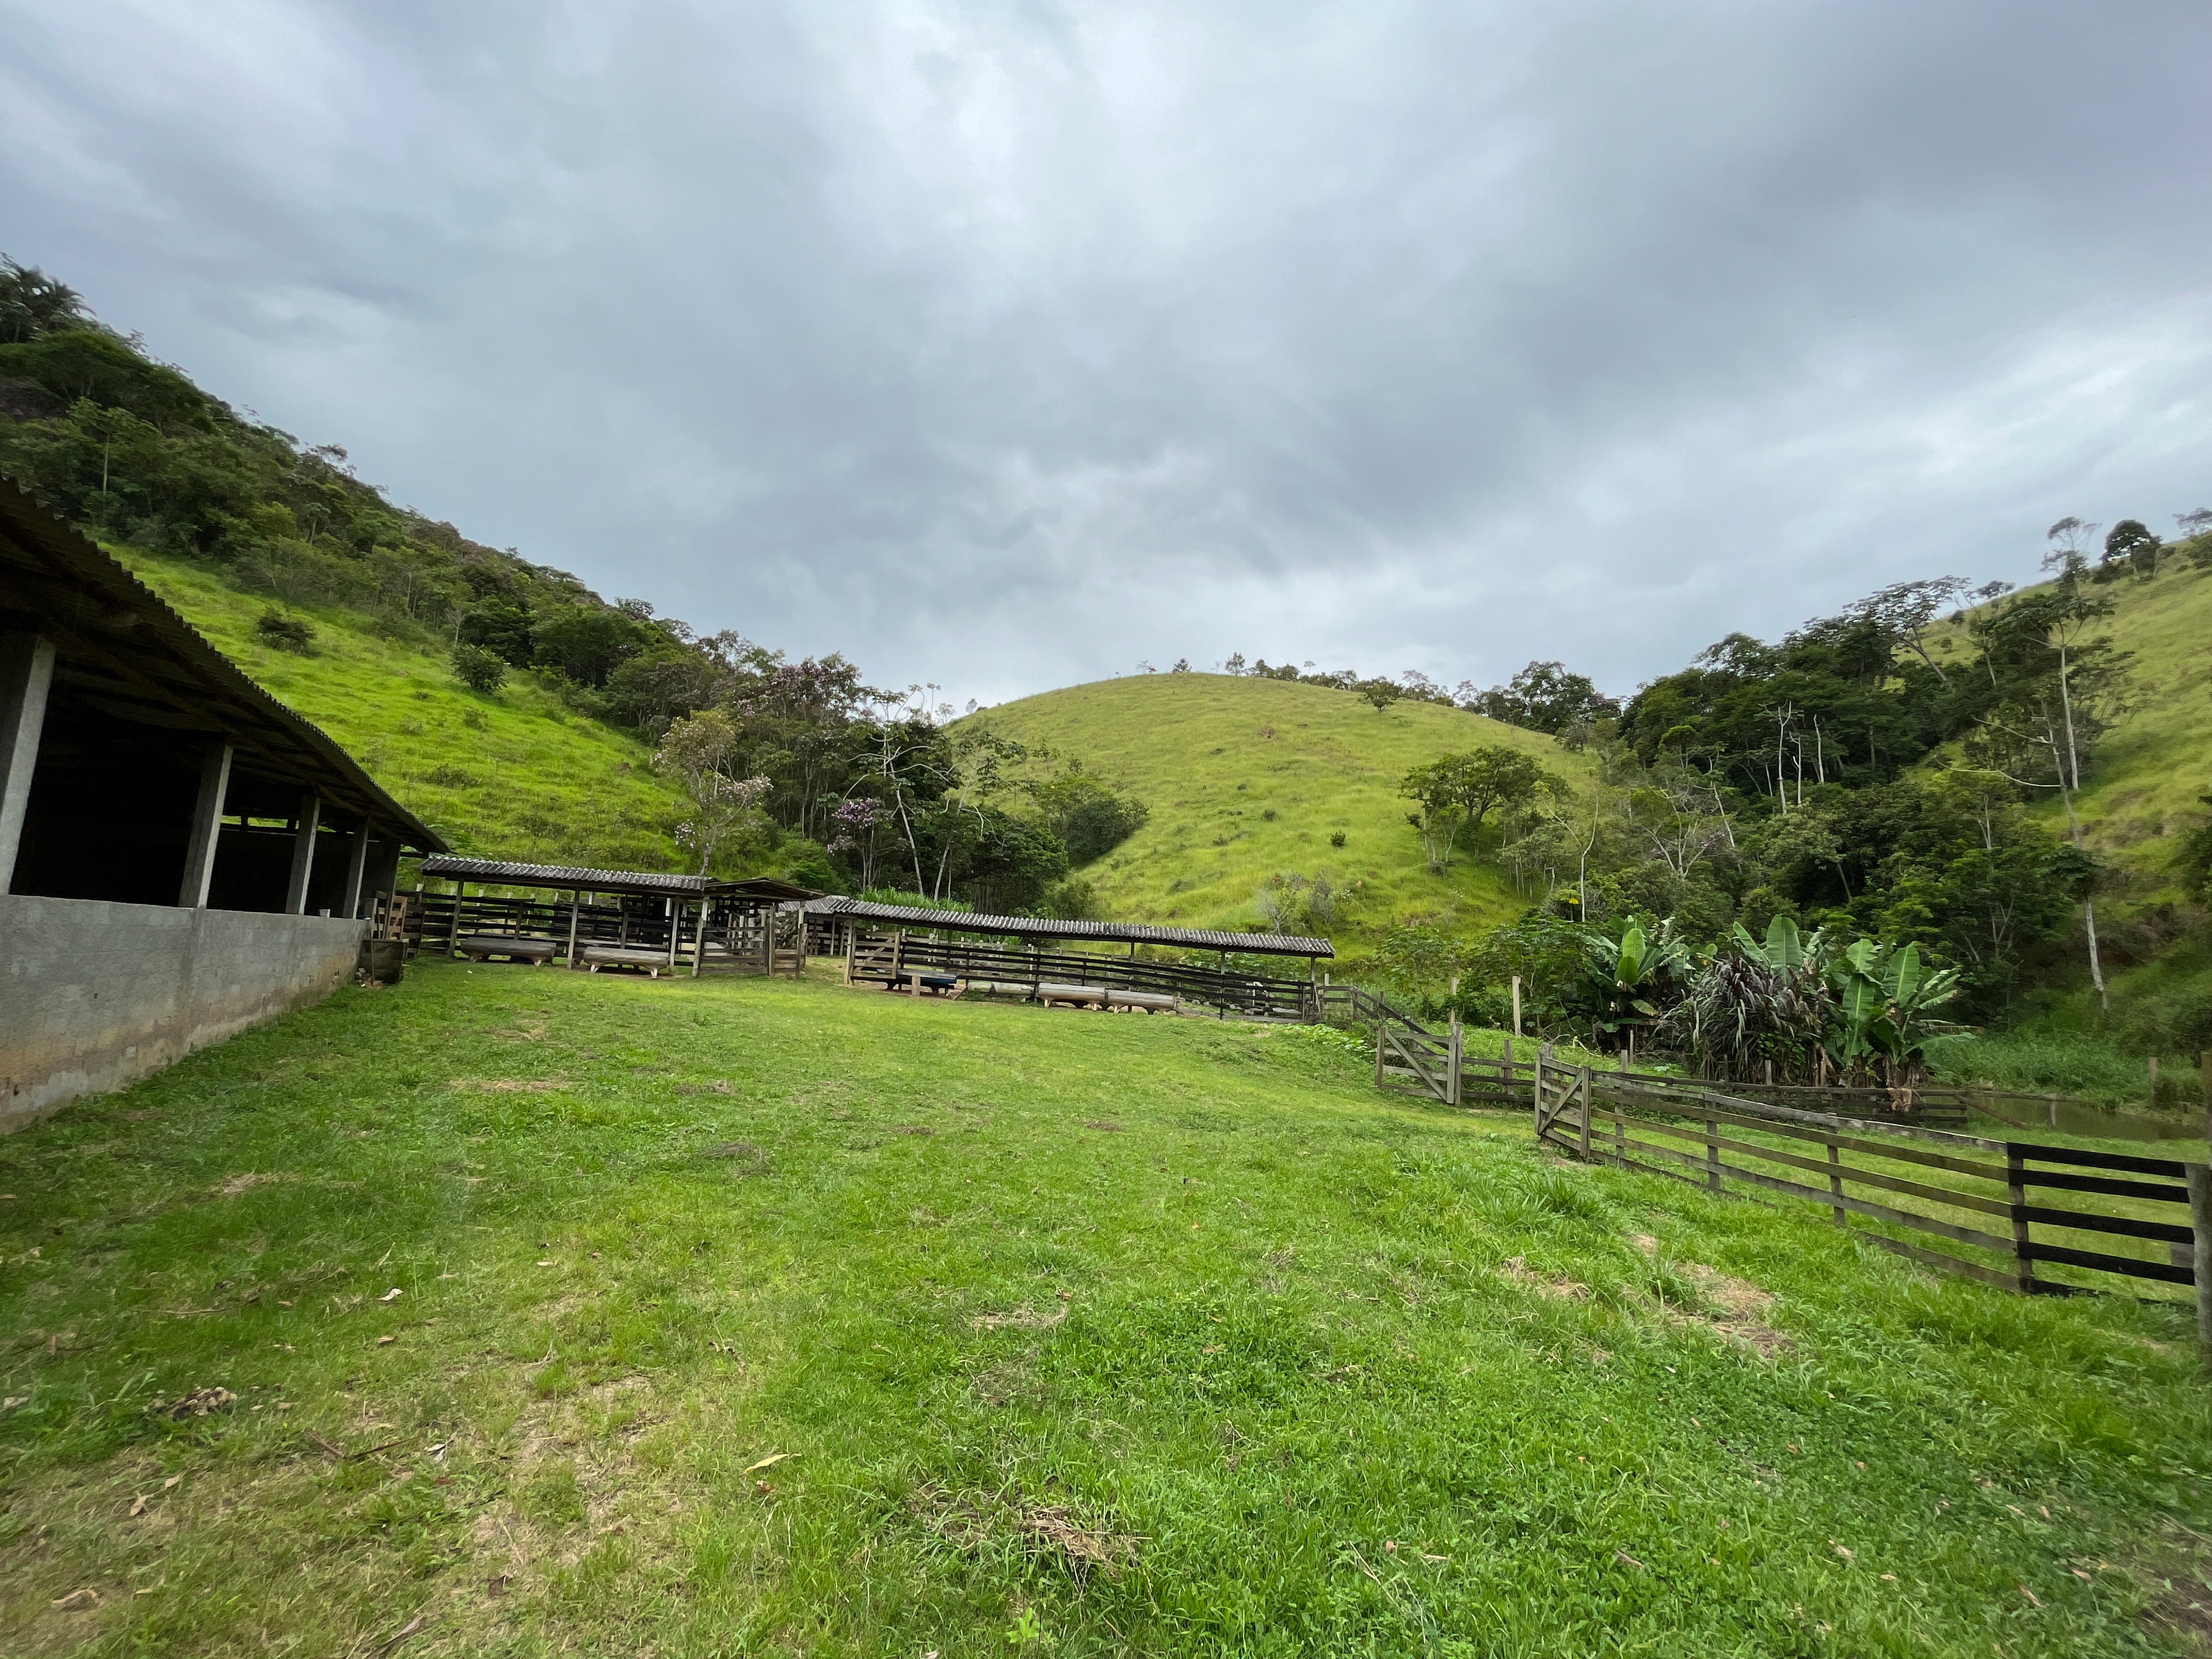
[972,1521]
[1021,1319]
[749,1158]
[2178,1577]
[1735,1307]
[232,1186]
[1558,1286]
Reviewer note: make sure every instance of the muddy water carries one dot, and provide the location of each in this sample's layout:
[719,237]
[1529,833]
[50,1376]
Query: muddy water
[2074,1118]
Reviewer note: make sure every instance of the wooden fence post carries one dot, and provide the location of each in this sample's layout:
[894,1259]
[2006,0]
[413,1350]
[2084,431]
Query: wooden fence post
[1585,1081]
[1452,1060]
[2200,1223]
[2016,1187]
[1712,1154]
[1379,1023]
[1835,1177]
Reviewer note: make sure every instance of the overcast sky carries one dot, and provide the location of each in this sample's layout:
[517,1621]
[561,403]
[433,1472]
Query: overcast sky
[1005,345]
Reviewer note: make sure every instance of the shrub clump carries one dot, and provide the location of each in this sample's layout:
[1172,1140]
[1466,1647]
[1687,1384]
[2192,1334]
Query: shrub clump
[479,669]
[293,633]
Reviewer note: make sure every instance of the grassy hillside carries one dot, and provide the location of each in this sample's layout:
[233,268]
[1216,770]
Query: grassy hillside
[1250,778]
[2140,798]
[566,1314]
[2143,798]
[511,775]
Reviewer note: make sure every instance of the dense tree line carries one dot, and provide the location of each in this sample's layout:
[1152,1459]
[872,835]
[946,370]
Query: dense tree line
[1869,777]
[837,782]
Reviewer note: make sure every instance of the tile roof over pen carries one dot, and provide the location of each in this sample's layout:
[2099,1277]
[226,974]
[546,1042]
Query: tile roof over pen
[1117,933]
[504,872]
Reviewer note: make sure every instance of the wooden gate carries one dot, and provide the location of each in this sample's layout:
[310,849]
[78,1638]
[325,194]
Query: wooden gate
[1429,1062]
[1562,1103]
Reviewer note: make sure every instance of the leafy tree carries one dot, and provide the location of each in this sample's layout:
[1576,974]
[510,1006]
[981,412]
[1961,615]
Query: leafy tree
[1544,697]
[478,669]
[1380,692]
[2129,545]
[696,754]
[587,643]
[1753,1003]
[32,303]
[1090,816]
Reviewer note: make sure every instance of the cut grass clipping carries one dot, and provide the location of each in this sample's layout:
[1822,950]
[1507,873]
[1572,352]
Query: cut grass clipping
[511,1311]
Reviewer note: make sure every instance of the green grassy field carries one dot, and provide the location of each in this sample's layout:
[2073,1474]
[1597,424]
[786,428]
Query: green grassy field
[511,775]
[573,1314]
[1248,779]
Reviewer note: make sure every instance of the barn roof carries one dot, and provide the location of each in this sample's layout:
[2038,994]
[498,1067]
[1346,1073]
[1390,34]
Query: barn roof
[1118,933]
[126,653]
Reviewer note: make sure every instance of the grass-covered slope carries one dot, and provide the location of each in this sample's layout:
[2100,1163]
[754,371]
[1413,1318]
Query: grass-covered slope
[1214,756]
[2140,797]
[509,774]
[571,1314]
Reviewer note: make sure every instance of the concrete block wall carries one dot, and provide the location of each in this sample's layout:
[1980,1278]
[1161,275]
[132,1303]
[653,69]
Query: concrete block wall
[94,995]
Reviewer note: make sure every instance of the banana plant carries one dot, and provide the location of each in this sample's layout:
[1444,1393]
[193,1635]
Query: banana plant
[1884,1001]
[1630,981]
[1783,950]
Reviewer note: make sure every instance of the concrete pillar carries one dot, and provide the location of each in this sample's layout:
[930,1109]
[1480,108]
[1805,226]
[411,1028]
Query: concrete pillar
[26,670]
[206,826]
[303,854]
[357,869]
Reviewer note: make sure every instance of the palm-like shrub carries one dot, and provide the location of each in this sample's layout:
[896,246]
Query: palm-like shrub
[1754,1002]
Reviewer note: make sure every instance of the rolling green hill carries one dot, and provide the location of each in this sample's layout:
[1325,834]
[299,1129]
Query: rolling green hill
[1248,779]
[512,774]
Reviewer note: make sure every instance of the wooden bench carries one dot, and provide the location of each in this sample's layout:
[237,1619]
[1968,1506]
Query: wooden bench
[916,981]
[482,947]
[1074,996]
[596,956]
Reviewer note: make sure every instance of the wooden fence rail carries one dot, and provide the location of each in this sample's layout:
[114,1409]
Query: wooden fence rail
[884,957]
[2148,1228]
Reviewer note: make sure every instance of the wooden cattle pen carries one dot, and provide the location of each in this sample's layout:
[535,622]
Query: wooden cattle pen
[640,920]
[902,947]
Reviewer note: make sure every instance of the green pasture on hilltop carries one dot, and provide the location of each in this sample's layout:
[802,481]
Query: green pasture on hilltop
[1248,779]
[571,1313]
[512,774]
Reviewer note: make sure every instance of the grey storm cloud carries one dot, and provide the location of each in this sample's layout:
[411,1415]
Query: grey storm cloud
[1003,345]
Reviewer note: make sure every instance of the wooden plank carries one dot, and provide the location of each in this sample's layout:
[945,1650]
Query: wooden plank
[1863,1177]
[2074,1183]
[2121,1161]
[2165,1272]
[2125,1226]
[1797,1131]
[1829,1199]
